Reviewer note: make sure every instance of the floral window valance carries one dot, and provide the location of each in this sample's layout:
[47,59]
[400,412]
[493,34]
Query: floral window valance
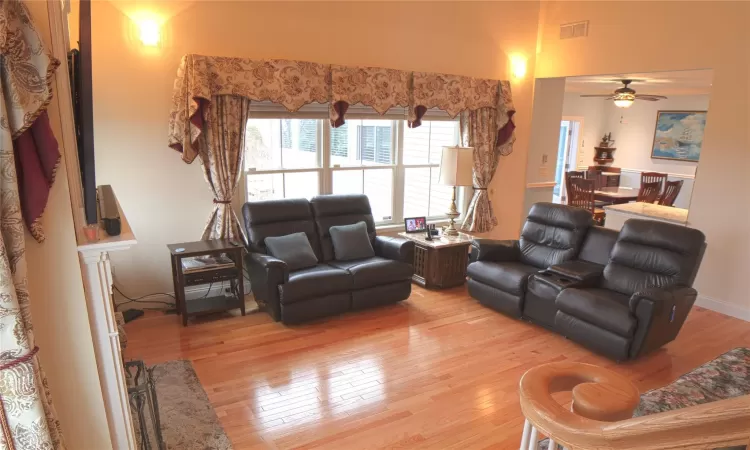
[382,89]
[294,84]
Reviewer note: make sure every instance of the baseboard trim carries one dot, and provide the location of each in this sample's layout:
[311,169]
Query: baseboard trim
[724,308]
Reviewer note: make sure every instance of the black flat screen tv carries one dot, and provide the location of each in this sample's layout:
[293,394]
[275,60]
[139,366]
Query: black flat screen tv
[79,67]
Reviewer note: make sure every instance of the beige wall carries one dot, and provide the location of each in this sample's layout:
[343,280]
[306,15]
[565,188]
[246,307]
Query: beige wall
[167,201]
[58,306]
[548,104]
[662,36]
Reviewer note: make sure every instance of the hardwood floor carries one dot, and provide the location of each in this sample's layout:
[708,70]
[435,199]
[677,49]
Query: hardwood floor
[436,371]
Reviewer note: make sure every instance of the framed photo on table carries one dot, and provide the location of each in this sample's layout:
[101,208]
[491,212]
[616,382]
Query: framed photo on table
[415,224]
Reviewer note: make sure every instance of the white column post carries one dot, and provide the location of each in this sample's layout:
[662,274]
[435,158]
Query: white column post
[526,435]
[534,439]
[97,278]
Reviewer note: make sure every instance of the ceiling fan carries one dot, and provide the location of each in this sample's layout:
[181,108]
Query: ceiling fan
[624,97]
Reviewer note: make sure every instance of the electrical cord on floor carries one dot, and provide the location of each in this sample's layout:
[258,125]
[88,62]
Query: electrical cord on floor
[140,299]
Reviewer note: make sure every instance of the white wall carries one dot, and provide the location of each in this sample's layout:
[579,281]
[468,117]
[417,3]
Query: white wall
[593,112]
[58,305]
[633,132]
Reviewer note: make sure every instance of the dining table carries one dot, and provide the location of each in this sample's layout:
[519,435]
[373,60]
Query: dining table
[616,195]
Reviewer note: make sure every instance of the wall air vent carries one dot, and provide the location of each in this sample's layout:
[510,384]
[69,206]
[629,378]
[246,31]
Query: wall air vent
[574,30]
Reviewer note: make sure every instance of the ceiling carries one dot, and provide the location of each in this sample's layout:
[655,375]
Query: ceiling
[685,82]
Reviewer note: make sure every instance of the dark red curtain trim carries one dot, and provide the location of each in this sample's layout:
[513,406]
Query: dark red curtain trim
[504,133]
[37,156]
[340,107]
[419,111]
[196,119]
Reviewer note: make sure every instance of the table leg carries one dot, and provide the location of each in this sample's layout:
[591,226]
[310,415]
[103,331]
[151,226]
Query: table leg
[175,284]
[241,287]
[180,293]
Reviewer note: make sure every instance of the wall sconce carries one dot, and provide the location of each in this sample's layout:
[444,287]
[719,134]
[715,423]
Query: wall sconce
[518,66]
[148,32]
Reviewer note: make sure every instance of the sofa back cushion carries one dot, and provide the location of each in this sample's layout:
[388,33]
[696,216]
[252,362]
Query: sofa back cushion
[598,244]
[279,218]
[332,210]
[294,249]
[653,254]
[351,242]
[553,234]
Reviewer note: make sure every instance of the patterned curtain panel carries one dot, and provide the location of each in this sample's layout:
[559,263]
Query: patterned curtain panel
[490,132]
[221,147]
[292,84]
[450,93]
[382,89]
[27,417]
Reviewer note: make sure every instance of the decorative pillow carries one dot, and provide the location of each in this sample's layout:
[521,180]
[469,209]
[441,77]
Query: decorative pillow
[294,249]
[351,242]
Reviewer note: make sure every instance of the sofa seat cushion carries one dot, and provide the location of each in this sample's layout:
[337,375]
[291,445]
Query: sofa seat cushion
[601,307]
[315,281]
[374,271]
[510,277]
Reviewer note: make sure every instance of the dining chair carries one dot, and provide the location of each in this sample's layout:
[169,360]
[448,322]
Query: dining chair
[649,192]
[572,174]
[581,194]
[671,191]
[653,177]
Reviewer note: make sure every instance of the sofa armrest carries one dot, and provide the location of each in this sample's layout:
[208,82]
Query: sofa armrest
[394,248]
[663,298]
[266,274]
[660,313]
[584,272]
[494,250]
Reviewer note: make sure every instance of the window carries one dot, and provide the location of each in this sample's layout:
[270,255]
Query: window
[395,166]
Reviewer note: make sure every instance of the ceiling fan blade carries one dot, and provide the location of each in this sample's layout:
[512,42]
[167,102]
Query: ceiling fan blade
[650,97]
[597,95]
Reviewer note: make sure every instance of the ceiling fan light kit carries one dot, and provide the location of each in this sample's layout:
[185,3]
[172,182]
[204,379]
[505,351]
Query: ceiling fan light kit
[624,100]
[625,97]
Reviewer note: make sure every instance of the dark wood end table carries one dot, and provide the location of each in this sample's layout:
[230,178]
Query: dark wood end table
[234,275]
[441,262]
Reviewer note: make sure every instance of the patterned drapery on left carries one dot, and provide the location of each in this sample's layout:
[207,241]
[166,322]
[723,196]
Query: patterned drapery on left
[222,148]
[27,417]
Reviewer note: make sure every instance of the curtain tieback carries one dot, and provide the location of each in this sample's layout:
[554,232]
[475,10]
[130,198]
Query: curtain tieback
[19,360]
[222,202]
[479,189]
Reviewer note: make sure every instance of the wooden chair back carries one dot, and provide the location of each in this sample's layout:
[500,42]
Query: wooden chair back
[581,193]
[654,177]
[649,192]
[568,175]
[671,191]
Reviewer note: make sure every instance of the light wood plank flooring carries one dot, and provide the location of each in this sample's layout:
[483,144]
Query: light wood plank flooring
[437,371]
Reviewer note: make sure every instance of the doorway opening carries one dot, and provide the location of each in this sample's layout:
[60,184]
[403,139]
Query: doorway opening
[567,149]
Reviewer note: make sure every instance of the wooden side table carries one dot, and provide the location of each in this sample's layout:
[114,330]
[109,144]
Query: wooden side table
[217,303]
[441,262]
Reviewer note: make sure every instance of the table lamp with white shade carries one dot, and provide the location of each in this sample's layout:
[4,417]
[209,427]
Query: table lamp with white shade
[456,166]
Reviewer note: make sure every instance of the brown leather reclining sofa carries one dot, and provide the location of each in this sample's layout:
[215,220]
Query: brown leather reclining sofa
[622,294]
[331,287]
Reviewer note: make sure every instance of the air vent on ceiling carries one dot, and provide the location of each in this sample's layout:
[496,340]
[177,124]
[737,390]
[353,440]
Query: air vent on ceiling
[574,30]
